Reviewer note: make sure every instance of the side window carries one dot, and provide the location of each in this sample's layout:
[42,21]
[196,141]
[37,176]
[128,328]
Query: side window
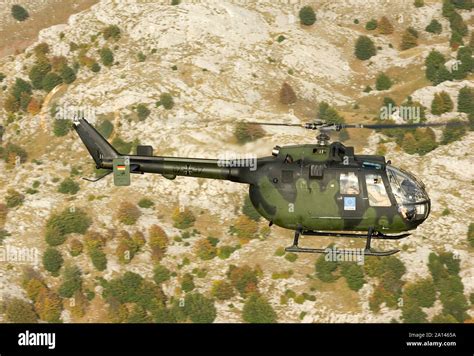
[349,183]
[376,190]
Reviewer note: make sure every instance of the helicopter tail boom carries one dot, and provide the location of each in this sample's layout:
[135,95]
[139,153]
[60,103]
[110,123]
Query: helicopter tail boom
[104,154]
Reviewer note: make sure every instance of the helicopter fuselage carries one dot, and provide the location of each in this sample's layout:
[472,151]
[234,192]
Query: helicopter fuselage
[328,188]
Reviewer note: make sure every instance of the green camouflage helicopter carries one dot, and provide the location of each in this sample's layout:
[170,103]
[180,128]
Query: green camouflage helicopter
[320,189]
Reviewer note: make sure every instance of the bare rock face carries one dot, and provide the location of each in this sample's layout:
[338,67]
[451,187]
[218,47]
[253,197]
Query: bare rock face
[223,61]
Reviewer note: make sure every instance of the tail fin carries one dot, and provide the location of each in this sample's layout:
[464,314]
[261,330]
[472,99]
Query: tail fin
[95,143]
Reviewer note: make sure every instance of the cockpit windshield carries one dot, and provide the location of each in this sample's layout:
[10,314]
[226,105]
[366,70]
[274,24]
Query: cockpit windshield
[409,193]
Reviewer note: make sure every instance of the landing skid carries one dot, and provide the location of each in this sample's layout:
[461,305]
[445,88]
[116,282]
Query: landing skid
[368,251]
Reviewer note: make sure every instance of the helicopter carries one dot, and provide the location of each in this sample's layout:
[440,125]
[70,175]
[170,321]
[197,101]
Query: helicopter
[320,189]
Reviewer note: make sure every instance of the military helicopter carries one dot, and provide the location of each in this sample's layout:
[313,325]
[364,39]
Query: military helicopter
[320,189]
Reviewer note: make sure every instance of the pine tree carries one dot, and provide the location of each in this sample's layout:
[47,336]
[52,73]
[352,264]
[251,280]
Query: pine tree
[434,27]
[287,94]
[67,74]
[466,100]
[385,27]
[383,82]
[364,48]
[447,102]
[258,310]
[371,25]
[441,103]
[19,13]
[437,105]
[307,16]
[433,62]
[106,56]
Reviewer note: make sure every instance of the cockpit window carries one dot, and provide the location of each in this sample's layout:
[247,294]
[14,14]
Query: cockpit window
[405,187]
[409,193]
[376,190]
[349,183]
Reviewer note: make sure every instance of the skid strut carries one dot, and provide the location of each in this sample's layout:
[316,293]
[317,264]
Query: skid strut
[368,251]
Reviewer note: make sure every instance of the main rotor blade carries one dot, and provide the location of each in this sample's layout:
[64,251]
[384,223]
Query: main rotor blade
[272,124]
[402,126]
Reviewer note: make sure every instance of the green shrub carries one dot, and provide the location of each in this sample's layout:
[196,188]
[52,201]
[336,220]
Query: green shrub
[19,13]
[98,258]
[325,269]
[61,127]
[161,274]
[37,73]
[68,186]
[52,260]
[199,309]
[72,282]
[106,56]
[69,221]
[224,252]
[307,16]
[383,82]
[419,3]
[281,38]
[434,27]
[141,57]
[412,312]
[95,67]
[145,203]
[329,114]
[68,75]
[434,63]
[291,257]
[166,100]
[423,292]
[364,48]
[111,31]
[258,310]
[187,283]
[371,25]
[142,112]
[354,275]
[50,81]
[454,132]
[466,100]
